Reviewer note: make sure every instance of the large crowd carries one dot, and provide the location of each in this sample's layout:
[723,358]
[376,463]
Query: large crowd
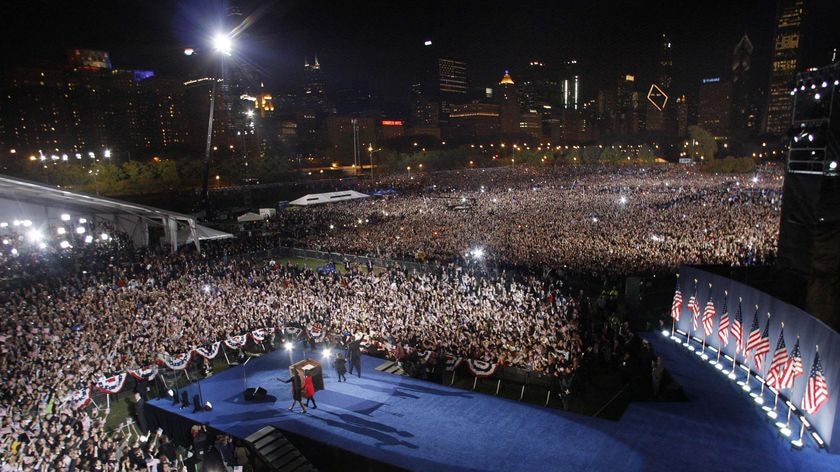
[129,306]
[600,220]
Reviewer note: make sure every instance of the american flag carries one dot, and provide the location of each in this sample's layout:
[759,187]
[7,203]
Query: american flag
[755,334]
[723,328]
[794,368]
[763,346]
[738,329]
[676,305]
[694,306]
[709,317]
[816,392]
[779,364]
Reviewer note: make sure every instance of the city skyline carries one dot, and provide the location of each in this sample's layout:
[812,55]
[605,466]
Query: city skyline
[377,45]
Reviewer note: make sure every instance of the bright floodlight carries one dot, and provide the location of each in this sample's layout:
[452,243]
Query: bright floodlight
[206,289]
[65,217]
[326,353]
[88,239]
[427,43]
[35,236]
[288,346]
[223,44]
[189,51]
[107,153]
[622,200]
[249,113]
[65,245]
[477,253]
[80,230]
[105,236]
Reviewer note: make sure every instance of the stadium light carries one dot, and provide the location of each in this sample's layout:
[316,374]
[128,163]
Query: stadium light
[288,345]
[80,230]
[35,236]
[477,253]
[65,217]
[88,238]
[326,353]
[222,43]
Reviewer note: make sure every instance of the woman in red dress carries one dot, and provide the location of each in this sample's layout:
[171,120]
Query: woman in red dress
[309,390]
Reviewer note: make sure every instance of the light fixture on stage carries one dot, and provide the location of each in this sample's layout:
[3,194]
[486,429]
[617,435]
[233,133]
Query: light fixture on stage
[326,353]
[208,406]
[796,443]
[772,414]
[732,375]
[784,430]
[745,387]
[804,421]
[288,346]
[666,333]
[758,399]
[718,366]
[704,356]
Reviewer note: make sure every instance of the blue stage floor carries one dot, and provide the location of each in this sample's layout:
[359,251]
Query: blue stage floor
[424,426]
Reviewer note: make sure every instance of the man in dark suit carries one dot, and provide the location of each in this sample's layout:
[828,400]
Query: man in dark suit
[354,355]
[340,367]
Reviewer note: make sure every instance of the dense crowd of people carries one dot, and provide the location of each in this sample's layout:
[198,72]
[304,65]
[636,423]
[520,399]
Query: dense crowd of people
[594,220]
[66,331]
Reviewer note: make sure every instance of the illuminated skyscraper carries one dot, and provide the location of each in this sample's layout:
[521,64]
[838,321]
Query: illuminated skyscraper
[660,119]
[744,111]
[508,105]
[787,41]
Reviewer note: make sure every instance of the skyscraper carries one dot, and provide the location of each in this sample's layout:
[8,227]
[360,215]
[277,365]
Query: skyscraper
[714,106]
[744,113]
[787,41]
[657,118]
[314,87]
[508,105]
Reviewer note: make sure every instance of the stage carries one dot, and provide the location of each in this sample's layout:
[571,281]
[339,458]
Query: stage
[419,425]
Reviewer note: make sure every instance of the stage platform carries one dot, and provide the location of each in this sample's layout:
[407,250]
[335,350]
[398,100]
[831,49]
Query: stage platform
[422,426]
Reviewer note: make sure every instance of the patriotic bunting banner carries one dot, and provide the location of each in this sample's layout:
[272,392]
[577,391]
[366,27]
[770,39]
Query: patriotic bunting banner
[208,353]
[481,368]
[144,373]
[316,330]
[178,362]
[111,384]
[78,399]
[235,342]
[258,335]
[292,331]
[452,363]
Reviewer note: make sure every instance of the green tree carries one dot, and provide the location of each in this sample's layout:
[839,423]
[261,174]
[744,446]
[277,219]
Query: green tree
[701,145]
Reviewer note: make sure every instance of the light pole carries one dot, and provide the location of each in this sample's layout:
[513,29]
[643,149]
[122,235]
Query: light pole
[371,150]
[222,44]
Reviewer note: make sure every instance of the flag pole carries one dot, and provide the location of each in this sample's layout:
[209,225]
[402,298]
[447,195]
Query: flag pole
[778,376]
[674,320]
[764,376]
[720,347]
[792,387]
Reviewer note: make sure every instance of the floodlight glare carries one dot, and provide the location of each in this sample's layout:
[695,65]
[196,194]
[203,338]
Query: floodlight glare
[326,353]
[65,217]
[223,44]
[288,346]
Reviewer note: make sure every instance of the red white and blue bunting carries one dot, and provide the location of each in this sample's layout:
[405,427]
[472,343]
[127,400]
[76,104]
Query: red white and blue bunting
[111,384]
[235,342]
[481,368]
[78,398]
[452,363]
[144,373]
[258,335]
[292,331]
[208,352]
[316,330]
[178,362]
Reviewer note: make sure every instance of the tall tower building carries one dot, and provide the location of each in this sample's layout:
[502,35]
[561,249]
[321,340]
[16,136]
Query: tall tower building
[744,112]
[508,105]
[570,86]
[659,119]
[787,41]
[714,106]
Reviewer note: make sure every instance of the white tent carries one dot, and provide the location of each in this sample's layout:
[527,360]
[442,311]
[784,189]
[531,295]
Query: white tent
[22,200]
[249,217]
[329,197]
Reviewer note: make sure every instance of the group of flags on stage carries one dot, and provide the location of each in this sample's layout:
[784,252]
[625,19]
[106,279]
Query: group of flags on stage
[784,368]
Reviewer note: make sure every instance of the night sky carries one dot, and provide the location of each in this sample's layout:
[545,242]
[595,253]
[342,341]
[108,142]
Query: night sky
[376,43]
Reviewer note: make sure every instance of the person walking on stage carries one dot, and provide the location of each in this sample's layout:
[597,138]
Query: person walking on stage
[309,390]
[354,354]
[296,388]
[340,364]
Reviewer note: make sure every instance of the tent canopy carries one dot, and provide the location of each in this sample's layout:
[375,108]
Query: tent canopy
[319,198]
[44,205]
[250,216]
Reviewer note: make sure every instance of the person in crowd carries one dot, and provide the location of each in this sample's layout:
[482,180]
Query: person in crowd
[309,390]
[340,364]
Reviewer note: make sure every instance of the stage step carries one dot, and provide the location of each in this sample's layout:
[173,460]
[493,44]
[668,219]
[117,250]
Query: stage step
[391,367]
[277,452]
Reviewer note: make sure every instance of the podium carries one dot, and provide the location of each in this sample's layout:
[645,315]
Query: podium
[313,368]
